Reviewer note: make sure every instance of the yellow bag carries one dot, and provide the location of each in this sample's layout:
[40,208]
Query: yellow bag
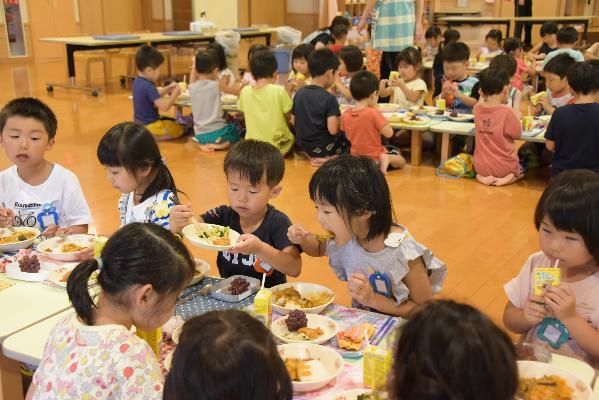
[456,167]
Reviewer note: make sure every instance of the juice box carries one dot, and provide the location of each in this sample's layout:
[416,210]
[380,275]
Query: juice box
[528,122]
[377,366]
[482,58]
[441,104]
[99,242]
[263,306]
[394,75]
[544,277]
[152,338]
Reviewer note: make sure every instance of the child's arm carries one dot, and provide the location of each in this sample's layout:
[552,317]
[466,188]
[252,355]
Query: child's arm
[163,104]
[467,100]
[411,95]
[313,247]
[180,217]
[387,131]
[341,89]
[550,145]
[6,216]
[384,89]
[333,124]
[534,52]
[225,88]
[522,320]
[31,391]
[517,103]
[544,102]
[288,261]
[53,230]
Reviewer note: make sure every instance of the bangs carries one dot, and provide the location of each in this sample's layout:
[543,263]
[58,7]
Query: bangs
[247,171]
[325,188]
[567,212]
[108,153]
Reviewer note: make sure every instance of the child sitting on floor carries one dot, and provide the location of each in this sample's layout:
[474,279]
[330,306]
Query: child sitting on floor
[492,46]
[226,77]
[497,126]
[507,63]
[513,47]
[449,36]
[558,90]
[351,61]
[300,74]
[408,89]
[459,90]
[548,42]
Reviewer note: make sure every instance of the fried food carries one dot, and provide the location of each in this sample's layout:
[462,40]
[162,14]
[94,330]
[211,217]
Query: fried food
[548,387]
[353,338]
[71,247]
[297,368]
[290,297]
[17,236]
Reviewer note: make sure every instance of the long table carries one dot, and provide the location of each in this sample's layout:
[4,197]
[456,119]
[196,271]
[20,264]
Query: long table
[575,19]
[477,21]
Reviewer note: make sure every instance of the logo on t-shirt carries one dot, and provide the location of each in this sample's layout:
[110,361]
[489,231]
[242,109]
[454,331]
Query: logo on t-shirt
[236,259]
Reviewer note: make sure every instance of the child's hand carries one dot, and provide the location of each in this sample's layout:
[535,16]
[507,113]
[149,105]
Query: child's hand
[51,230]
[360,289]
[534,312]
[176,91]
[383,84]
[396,82]
[561,301]
[454,89]
[299,83]
[544,102]
[297,234]
[7,216]
[180,216]
[247,244]
[445,87]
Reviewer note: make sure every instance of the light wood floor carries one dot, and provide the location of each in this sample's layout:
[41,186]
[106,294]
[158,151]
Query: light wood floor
[483,234]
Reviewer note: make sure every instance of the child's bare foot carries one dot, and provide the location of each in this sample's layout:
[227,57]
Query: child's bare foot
[507,180]
[206,148]
[486,180]
[213,147]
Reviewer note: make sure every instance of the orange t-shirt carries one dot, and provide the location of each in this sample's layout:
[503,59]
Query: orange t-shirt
[363,130]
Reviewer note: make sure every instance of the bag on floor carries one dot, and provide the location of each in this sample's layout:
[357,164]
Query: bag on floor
[460,166]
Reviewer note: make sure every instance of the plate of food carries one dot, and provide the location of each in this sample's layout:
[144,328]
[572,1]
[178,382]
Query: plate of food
[228,99]
[14,239]
[30,269]
[354,337]
[354,394]
[422,109]
[299,327]
[457,117]
[60,275]
[235,288]
[540,380]
[388,107]
[438,114]
[394,117]
[413,119]
[210,236]
[308,297]
[65,249]
[310,366]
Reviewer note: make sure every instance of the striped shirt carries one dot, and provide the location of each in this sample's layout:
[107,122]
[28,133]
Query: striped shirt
[394,25]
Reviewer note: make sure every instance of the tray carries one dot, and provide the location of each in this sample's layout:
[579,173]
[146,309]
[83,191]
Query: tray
[219,291]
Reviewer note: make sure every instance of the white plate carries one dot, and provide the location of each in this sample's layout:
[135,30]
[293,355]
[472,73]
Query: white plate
[13,271]
[228,99]
[422,121]
[348,394]
[394,117]
[462,118]
[388,107]
[202,268]
[328,326]
[535,369]
[432,114]
[422,109]
[329,359]
[190,233]
[306,290]
[56,243]
[56,276]
[16,246]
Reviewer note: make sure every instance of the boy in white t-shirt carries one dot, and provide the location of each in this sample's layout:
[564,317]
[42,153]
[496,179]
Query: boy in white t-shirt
[35,192]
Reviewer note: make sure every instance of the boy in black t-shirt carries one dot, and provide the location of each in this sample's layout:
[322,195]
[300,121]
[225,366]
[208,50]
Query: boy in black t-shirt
[573,131]
[254,170]
[315,112]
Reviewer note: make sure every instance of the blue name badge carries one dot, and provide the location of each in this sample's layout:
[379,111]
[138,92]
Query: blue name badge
[380,283]
[553,332]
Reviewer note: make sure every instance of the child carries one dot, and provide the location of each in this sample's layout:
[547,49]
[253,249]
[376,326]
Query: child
[315,113]
[445,338]
[567,38]
[573,132]
[409,89]
[507,63]
[226,77]
[248,79]
[339,34]
[513,47]
[558,90]
[459,90]
[364,124]
[353,202]
[212,132]
[254,170]
[548,42]
[300,75]
[136,168]
[433,40]
[35,192]
[148,100]
[351,61]
[592,53]
[225,355]
[492,46]
[266,105]
[497,126]
[562,318]
[322,37]
[449,36]
[142,270]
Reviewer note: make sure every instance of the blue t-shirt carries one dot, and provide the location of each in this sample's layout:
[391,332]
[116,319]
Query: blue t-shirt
[469,87]
[575,130]
[144,96]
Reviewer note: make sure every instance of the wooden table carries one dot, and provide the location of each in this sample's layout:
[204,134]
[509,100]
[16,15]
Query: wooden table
[571,20]
[416,133]
[477,21]
[85,43]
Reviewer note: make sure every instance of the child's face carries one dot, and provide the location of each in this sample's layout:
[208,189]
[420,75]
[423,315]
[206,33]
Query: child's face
[555,83]
[301,65]
[25,141]
[568,247]
[152,73]
[407,71]
[329,218]
[455,70]
[434,41]
[120,178]
[491,44]
[342,68]
[248,200]
[550,39]
[518,52]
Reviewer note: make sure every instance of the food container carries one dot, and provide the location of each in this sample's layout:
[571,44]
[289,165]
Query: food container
[528,122]
[16,246]
[220,290]
[331,364]
[263,306]
[306,290]
[440,104]
[377,366]
[544,277]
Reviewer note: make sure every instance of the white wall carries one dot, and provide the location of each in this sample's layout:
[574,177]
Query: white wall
[224,13]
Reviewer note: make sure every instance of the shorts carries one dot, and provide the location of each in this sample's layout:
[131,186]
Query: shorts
[338,146]
[165,129]
[227,133]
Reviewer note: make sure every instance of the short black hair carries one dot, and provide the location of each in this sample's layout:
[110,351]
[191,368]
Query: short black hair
[352,58]
[363,84]
[506,62]
[338,20]
[253,159]
[221,56]
[492,80]
[339,30]
[432,32]
[456,52]
[302,51]
[511,45]
[263,64]
[571,203]
[567,35]
[322,60]
[256,48]
[411,56]
[548,28]
[206,61]
[583,77]
[30,107]
[148,56]
[495,34]
[560,65]
[450,36]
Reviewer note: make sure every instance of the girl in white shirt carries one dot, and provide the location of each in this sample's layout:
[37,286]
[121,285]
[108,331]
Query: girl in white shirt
[227,79]
[492,46]
[408,89]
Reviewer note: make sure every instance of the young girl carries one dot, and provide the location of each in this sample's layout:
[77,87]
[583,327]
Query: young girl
[565,317]
[300,74]
[433,40]
[548,42]
[369,250]
[142,270]
[513,46]
[225,355]
[492,46]
[409,89]
[441,341]
[351,61]
[449,36]
[225,75]
[507,63]
[135,167]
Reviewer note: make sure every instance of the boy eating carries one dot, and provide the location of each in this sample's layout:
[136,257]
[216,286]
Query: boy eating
[459,90]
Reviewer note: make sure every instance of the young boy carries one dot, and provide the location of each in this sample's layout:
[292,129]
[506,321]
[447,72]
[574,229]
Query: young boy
[211,130]
[548,42]
[497,126]
[351,61]
[364,124]
[254,170]
[573,132]
[266,105]
[35,192]
[459,90]
[315,113]
[558,90]
[567,38]
[147,99]
[339,33]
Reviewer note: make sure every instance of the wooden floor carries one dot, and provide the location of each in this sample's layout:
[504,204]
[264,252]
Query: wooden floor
[483,234]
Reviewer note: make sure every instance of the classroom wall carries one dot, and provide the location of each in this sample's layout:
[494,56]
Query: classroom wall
[224,13]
